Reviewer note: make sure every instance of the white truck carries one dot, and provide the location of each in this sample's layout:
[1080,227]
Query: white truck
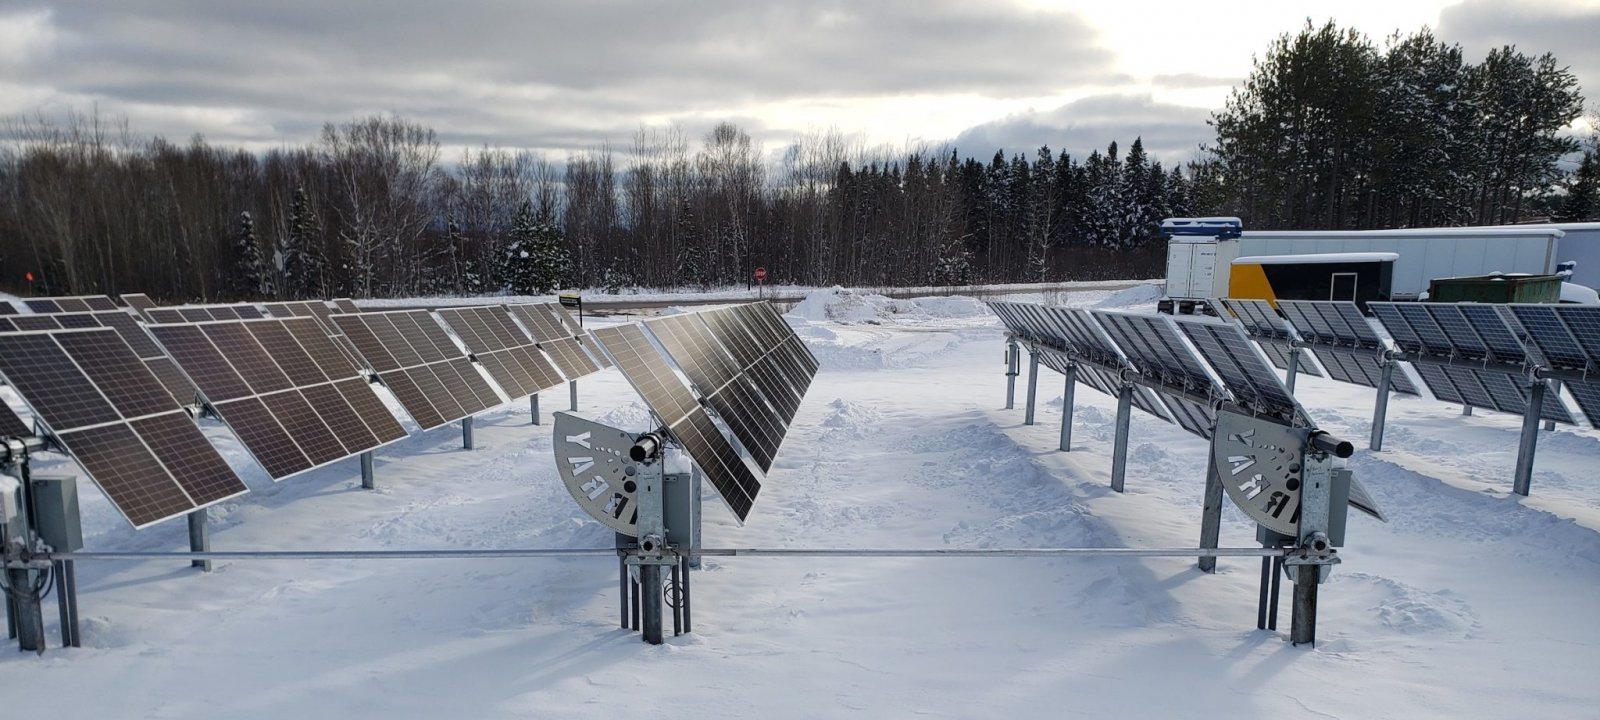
[1200,252]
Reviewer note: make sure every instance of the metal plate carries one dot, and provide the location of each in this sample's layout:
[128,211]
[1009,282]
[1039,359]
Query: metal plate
[594,466]
[1259,463]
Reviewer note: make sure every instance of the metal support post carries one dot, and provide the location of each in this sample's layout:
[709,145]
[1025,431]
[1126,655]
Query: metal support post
[1011,373]
[67,602]
[572,390]
[1033,386]
[683,597]
[533,407]
[696,481]
[1211,515]
[1277,585]
[676,585]
[1466,410]
[1066,408]
[199,538]
[650,588]
[1523,479]
[1294,369]
[466,433]
[623,599]
[26,612]
[367,481]
[1303,621]
[1119,450]
[1380,409]
[26,608]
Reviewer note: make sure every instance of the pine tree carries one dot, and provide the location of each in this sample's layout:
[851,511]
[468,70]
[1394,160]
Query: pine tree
[534,261]
[247,279]
[302,261]
[1583,193]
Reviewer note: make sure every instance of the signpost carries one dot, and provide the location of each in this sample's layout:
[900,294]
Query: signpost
[761,280]
[574,301]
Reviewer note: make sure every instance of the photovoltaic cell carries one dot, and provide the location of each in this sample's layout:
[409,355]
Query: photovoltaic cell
[1245,374]
[1583,322]
[1551,336]
[73,304]
[138,302]
[344,305]
[1191,416]
[1463,339]
[1497,336]
[1587,396]
[12,426]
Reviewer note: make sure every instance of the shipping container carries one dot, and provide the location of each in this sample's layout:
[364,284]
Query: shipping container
[1361,277]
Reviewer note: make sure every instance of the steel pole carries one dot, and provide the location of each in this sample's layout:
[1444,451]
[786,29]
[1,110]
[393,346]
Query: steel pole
[1549,425]
[1211,515]
[466,433]
[1033,386]
[1293,372]
[1380,409]
[133,556]
[650,600]
[1523,479]
[1066,408]
[572,390]
[199,538]
[1119,451]
[368,482]
[1011,373]
[67,602]
[1303,619]
[533,407]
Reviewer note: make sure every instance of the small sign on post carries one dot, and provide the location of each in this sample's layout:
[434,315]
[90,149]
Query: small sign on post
[575,301]
[761,280]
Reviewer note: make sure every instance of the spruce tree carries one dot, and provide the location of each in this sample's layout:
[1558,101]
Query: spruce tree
[247,277]
[1583,193]
[533,261]
[303,262]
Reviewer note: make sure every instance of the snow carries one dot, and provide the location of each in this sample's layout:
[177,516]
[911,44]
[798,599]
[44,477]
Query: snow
[1471,602]
[1318,258]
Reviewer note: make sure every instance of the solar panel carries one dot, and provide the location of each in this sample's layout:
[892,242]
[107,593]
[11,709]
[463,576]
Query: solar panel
[757,424]
[1404,337]
[115,418]
[1243,370]
[6,308]
[284,390]
[344,305]
[1191,416]
[1435,341]
[509,356]
[1497,336]
[1587,396]
[674,404]
[1583,322]
[416,359]
[75,303]
[1464,341]
[1551,336]
[12,426]
[36,322]
[138,302]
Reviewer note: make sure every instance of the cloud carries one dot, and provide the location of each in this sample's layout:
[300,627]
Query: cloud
[558,74]
[1184,81]
[1566,29]
[1171,133]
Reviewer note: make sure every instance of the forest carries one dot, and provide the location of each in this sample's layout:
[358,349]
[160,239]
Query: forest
[1331,130]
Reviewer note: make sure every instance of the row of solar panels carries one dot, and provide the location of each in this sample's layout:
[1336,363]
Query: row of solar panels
[1479,355]
[111,391]
[1193,366]
[1191,363]
[743,365]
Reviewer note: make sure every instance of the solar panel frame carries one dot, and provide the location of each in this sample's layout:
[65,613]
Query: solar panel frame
[1243,369]
[70,304]
[1587,397]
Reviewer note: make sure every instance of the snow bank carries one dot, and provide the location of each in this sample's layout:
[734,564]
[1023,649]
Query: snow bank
[837,304]
[1139,296]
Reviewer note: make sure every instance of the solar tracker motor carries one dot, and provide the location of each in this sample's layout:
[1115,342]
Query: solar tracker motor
[1333,446]
[646,448]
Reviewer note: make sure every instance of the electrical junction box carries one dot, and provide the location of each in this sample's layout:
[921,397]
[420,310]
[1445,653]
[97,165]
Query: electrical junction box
[55,512]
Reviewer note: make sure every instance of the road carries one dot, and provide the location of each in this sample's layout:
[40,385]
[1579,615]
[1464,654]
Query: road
[622,304]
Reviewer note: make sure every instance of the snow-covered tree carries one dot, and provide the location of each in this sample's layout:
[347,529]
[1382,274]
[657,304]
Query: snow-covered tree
[248,277]
[534,260]
[301,259]
[1583,193]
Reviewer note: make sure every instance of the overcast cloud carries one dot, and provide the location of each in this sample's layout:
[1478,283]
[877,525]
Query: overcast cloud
[571,74]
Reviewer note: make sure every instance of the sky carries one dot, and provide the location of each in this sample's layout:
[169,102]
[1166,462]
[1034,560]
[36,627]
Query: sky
[566,76]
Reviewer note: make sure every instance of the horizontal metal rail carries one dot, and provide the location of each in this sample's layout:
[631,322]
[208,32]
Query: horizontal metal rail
[111,555]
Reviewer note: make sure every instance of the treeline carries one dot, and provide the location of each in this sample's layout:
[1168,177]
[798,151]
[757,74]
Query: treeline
[373,209]
[1331,131]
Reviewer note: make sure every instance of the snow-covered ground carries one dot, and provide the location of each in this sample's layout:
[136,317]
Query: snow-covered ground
[740,293]
[1471,602]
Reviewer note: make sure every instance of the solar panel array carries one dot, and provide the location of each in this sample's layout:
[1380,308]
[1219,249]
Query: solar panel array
[12,426]
[138,340]
[131,438]
[1275,336]
[294,401]
[74,303]
[1077,339]
[1472,355]
[747,365]
[1344,342]
[509,356]
[1244,370]
[560,337]
[416,359]
[201,313]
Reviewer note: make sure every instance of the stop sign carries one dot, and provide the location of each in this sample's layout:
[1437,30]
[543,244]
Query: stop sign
[761,273]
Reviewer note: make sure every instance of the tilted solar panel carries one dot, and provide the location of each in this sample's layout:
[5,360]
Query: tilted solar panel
[1587,396]
[416,359]
[1243,370]
[284,390]
[12,426]
[101,403]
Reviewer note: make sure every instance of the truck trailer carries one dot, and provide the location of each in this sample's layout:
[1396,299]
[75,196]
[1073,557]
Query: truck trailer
[1201,251]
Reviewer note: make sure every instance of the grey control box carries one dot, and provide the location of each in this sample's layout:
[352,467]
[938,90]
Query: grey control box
[55,510]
